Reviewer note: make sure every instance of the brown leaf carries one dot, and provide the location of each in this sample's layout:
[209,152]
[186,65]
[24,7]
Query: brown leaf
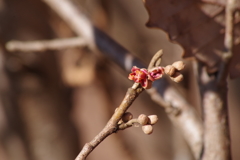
[198,26]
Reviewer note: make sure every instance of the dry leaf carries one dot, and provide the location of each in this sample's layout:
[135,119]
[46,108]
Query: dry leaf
[198,26]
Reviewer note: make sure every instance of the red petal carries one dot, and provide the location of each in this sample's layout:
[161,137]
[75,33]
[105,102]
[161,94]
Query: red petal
[131,76]
[144,83]
[134,68]
[155,73]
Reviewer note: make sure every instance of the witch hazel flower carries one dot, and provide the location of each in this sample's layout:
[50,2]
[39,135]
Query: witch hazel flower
[146,77]
[139,76]
[155,73]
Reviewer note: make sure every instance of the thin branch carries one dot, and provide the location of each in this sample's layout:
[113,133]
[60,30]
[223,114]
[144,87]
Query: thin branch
[112,125]
[39,46]
[156,60]
[188,121]
[128,124]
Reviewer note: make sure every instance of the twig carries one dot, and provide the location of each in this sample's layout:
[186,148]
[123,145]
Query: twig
[156,60]
[130,123]
[112,125]
[39,46]
[188,121]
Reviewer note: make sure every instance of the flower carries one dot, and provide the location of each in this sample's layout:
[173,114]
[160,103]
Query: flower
[156,73]
[145,77]
[139,76]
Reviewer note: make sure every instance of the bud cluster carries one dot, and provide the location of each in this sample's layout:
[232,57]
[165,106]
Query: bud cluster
[173,71]
[147,122]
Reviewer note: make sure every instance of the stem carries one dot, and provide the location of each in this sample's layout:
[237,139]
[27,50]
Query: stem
[112,125]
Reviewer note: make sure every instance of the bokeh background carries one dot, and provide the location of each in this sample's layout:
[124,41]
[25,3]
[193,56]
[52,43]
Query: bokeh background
[53,102]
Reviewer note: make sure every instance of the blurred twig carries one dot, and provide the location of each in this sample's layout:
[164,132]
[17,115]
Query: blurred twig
[56,44]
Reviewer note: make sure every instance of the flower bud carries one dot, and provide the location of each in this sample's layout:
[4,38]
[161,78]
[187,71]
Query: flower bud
[152,119]
[179,65]
[147,129]
[170,70]
[177,77]
[143,119]
[126,117]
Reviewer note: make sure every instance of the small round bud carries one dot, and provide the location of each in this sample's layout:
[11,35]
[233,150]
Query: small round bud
[143,119]
[177,77]
[147,129]
[126,117]
[152,119]
[169,70]
[179,65]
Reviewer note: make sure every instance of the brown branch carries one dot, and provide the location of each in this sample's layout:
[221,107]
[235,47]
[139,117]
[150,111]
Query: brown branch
[188,121]
[215,106]
[112,125]
[39,46]
[228,40]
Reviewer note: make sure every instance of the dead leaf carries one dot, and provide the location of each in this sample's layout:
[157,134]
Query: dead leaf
[198,26]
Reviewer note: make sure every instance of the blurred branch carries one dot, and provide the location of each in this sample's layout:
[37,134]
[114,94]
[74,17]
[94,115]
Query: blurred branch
[228,40]
[215,105]
[56,44]
[188,121]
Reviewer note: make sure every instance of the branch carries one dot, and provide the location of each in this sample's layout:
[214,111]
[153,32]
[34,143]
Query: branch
[215,106]
[56,44]
[188,121]
[228,40]
[112,125]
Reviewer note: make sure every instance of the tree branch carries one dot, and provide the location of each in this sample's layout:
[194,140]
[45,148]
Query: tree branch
[112,125]
[228,40]
[188,121]
[215,106]
[56,44]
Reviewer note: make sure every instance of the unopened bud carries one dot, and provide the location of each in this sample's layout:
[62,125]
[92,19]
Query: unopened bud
[152,119]
[177,77]
[170,70]
[147,129]
[179,65]
[126,117]
[143,119]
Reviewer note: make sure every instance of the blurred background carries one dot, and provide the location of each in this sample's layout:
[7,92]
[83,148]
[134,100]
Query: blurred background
[53,102]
